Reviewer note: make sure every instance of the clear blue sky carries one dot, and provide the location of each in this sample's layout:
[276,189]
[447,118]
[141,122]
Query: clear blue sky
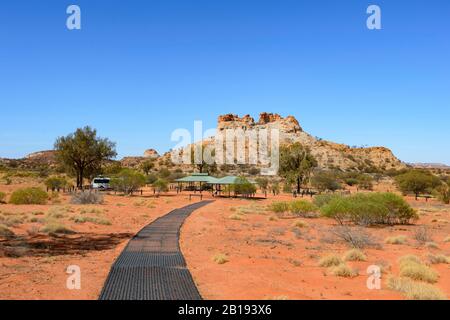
[140,69]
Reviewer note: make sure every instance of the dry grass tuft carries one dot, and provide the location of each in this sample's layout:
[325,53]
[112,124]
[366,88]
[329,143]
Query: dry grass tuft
[447,239]
[330,261]
[431,245]
[300,224]
[396,240]
[416,270]
[415,290]
[53,227]
[5,232]
[220,258]
[355,255]
[438,259]
[236,216]
[344,271]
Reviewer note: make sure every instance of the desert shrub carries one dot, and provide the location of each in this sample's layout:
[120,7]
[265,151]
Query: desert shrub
[443,192]
[303,208]
[325,180]
[415,290]
[300,224]
[396,240]
[422,235]
[279,207]
[355,237]
[86,197]
[244,187]
[343,270]
[29,196]
[323,199]
[220,258]
[416,270]
[330,261]
[55,183]
[355,255]
[5,232]
[128,181]
[417,182]
[53,227]
[160,185]
[151,178]
[437,259]
[2,197]
[370,209]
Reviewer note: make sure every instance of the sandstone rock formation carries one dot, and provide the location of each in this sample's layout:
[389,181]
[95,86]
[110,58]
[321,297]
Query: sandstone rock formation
[151,153]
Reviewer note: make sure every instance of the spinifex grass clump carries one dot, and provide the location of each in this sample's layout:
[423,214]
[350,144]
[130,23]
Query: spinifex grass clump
[370,209]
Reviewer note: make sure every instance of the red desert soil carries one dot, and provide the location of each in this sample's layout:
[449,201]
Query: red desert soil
[268,261]
[37,275]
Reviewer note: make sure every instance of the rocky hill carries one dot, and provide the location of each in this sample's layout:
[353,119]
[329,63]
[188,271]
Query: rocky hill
[329,154]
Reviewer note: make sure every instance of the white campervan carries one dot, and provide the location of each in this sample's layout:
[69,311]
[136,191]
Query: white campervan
[101,183]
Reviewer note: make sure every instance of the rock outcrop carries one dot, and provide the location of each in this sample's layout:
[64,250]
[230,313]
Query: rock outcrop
[330,155]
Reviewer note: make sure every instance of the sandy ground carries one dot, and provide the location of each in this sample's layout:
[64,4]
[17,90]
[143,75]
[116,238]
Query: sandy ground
[45,277]
[267,260]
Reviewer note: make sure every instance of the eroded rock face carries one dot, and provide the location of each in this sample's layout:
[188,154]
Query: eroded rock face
[151,153]
[330,155]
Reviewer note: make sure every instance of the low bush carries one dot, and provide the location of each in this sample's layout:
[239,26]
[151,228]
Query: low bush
[56,183]
[355,255]
[355,237]
[86,197]
[324,199]
[303,208]
[279,207]
[236,216]
[29,196]
[415,290]
[330,261]
[370,209]
[300,224]
[422,235]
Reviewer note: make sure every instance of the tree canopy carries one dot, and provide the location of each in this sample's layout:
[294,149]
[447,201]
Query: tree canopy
[296,164]
[82,153]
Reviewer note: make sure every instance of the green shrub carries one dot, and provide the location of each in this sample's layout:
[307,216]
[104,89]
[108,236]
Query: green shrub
[160,185]
[370,209]
[29,196]
[302,208]
[323,199]
[128,181]
[279,207]
[56,183]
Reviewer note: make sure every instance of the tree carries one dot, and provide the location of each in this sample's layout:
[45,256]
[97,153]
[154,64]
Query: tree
[160,185]
[365,181]
[128,181]
[147,166]
[296,164]
[325,180]
[263,184]
[82,153]
[417,181]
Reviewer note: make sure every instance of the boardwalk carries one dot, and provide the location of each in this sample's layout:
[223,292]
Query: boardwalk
[152,266]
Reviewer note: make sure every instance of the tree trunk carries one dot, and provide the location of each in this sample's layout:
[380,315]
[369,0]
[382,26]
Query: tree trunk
[298,185]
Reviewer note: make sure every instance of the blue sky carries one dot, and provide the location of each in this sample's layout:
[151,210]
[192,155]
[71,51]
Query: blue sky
[140,69]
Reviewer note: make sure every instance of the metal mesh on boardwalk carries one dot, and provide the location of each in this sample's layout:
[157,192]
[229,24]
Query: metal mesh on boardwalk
[152,266]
